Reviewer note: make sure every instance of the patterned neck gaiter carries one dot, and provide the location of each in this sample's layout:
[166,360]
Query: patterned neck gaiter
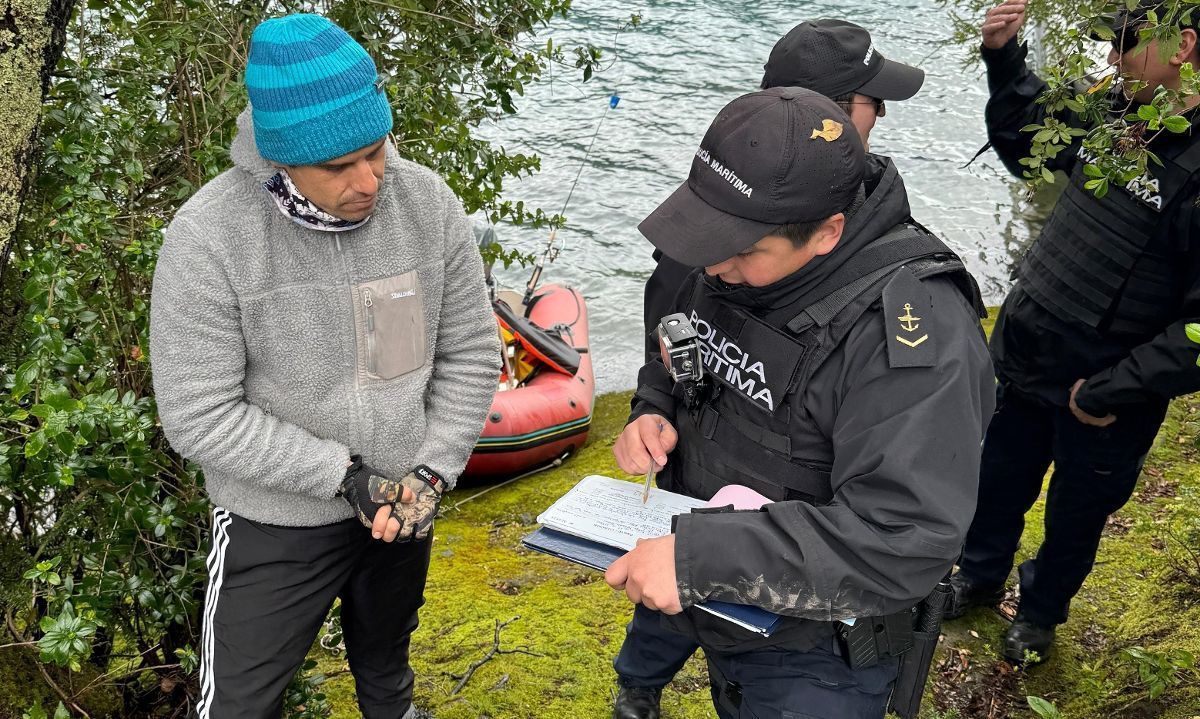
[303,212]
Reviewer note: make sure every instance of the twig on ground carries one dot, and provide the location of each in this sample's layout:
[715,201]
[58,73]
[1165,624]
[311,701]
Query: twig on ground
[491,654]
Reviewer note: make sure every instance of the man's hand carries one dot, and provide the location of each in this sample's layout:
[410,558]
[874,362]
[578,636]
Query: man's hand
[372,496]
[1002,23]
[1084,416]
[423,490]
[649,437]
[647,574]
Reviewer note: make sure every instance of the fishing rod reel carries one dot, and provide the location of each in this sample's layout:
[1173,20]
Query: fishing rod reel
[485,237]
[550,254]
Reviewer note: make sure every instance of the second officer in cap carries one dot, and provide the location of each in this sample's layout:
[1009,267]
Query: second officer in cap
[835,58]
[847,380]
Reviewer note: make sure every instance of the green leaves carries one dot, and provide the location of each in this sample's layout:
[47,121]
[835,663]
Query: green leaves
[1101,29]
[44,572]
[26,375]
[66,639]
[1043,708]
[1160,114]
[1158,671]
[1177,124]
[1099,186]
[304,693]
[37,712]
[189,660]
[35,444]
[141,115]
[1192,330]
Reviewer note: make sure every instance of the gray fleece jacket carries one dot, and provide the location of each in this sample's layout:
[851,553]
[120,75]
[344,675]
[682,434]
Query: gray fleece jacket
[278,351]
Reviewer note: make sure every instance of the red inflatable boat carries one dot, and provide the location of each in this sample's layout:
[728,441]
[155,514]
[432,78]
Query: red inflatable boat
[543,408]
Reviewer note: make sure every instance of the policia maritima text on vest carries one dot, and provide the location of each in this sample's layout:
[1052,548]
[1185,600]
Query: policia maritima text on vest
[848,381]
[841,61]
[1090,344]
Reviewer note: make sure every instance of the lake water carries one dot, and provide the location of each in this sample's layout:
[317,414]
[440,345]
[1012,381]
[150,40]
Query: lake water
[673,74]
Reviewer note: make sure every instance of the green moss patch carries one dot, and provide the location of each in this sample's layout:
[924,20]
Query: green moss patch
[565,625]
[22,686]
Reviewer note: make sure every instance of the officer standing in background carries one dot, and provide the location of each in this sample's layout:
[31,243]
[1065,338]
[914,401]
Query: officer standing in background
[835,58]
[847,381]
[1090,345]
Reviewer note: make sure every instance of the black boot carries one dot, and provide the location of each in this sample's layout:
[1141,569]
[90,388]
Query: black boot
[966,593]
[637,703]
[1025,639]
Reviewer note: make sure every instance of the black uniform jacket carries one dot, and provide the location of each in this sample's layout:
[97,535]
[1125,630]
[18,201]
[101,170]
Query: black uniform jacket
[1043,355]
[904,447]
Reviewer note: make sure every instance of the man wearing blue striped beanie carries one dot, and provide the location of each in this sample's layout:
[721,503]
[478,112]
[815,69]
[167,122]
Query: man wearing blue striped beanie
[324,349]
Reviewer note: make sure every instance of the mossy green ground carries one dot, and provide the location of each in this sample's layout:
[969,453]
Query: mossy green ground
[563,613]
[572,623]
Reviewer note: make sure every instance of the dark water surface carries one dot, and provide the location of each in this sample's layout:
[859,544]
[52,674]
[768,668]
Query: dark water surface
[673,74]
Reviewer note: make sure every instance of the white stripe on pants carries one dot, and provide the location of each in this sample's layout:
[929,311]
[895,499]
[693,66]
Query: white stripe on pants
[216,575]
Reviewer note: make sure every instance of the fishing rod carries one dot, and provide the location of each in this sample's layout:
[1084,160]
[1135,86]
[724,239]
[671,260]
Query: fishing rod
[551,252]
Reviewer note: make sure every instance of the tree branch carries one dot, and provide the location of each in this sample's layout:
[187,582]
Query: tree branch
[491,654]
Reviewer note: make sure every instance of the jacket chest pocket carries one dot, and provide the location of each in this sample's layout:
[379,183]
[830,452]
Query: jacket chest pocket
[389,324]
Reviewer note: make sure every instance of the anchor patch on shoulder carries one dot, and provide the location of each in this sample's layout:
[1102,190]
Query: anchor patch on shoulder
[907,308]
[908,323]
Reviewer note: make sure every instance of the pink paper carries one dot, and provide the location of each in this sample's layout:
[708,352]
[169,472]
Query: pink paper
[740,496]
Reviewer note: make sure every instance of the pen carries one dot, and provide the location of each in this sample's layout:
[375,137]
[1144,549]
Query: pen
[650,472]
[649,478]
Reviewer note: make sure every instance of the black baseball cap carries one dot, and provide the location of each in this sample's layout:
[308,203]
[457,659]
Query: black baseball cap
[1137,14]
[836,57]
[1126,22]
[774,157]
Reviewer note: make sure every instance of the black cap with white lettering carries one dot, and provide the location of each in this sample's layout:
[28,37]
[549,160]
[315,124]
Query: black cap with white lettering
[836,57]
[775,157]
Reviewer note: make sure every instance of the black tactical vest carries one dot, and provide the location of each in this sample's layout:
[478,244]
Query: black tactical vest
[1106,262]
[747,429]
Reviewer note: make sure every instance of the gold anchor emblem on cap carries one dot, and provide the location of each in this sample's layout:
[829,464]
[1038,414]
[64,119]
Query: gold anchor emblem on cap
[830,131]
[909,323]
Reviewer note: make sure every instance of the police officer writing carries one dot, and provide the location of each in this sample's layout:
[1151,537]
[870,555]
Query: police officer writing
[847,381]
[839,60]
[1090,344]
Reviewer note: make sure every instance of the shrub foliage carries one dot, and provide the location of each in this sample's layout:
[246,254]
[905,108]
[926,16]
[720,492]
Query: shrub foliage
[105,527]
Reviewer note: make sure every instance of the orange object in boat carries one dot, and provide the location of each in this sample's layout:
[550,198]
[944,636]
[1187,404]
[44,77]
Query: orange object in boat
[546,418]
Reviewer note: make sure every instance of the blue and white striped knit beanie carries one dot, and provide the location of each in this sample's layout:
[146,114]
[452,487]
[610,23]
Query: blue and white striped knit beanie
[313,91]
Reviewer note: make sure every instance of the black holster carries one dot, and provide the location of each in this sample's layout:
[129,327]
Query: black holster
[872,639]
[914,665]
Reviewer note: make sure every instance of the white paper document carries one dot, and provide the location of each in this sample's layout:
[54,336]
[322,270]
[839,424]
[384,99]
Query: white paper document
[610,511]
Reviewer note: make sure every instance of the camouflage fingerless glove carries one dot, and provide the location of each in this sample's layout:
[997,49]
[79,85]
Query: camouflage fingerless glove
[427,487]
[367,490]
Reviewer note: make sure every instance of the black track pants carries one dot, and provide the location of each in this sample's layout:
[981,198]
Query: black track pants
[270,589]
